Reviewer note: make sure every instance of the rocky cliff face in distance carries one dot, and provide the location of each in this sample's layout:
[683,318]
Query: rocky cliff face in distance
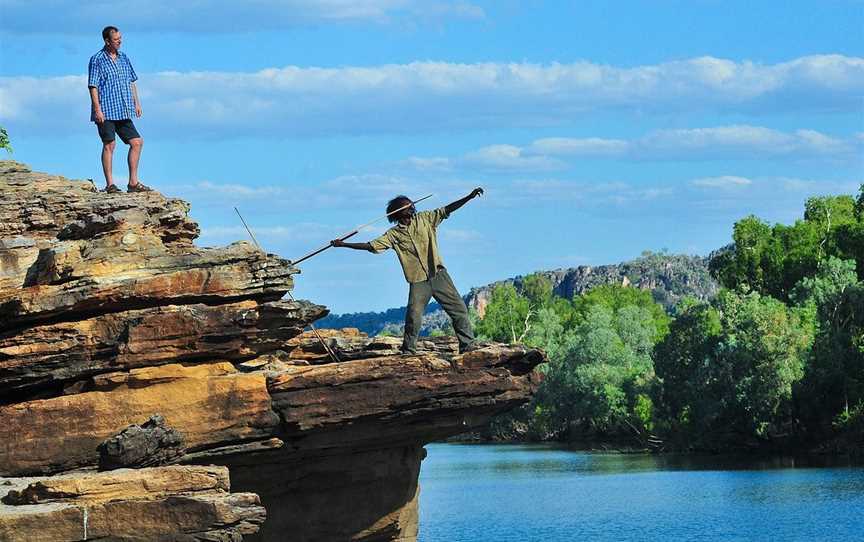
[669,278]
[110,315]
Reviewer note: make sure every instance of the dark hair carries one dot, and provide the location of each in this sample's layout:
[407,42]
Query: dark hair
[106,32]
[395,203]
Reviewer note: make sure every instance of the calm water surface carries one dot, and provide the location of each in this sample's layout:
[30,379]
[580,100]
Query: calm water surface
[527,492]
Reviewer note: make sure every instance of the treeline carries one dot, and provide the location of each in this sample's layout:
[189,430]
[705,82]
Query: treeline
[775,360]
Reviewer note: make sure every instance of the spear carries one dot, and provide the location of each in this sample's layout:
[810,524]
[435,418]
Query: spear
[330,351]
[356,230]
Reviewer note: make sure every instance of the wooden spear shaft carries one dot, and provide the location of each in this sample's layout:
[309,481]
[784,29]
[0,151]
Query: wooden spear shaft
[330,351]
[356,230]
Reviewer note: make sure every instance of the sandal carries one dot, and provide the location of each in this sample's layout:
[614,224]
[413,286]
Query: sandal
[138,187]
[111,189]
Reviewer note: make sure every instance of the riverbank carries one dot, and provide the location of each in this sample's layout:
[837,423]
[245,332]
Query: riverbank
[512,430]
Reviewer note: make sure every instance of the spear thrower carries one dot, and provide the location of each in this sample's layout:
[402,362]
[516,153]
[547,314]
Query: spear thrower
[356,230]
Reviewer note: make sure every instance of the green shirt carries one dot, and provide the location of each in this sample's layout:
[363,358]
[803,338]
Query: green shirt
[416,244]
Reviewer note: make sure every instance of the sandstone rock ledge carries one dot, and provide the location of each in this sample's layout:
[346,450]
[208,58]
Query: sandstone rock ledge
[109,314]
[164,503]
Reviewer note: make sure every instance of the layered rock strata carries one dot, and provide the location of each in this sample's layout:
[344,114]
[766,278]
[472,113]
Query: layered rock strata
[109,314]
[164,503]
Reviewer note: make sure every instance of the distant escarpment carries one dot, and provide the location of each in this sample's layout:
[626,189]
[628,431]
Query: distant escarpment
[669,278]
[110,316]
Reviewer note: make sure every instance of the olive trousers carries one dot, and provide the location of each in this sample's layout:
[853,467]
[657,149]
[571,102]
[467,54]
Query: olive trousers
[441,287]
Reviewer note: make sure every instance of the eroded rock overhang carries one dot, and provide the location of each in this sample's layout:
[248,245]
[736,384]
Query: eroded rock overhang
[110,314]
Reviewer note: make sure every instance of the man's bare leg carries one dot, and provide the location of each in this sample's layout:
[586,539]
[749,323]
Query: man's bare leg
[135,146]
[107,158]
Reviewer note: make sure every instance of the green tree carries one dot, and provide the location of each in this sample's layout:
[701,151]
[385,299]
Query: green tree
[727,369]
[859,204]
[601,370]
[850,236]
[538,290]
[508,316]
[772,260]
[684,354]
[547,332]
[616,298]
[4,140]
[833,387]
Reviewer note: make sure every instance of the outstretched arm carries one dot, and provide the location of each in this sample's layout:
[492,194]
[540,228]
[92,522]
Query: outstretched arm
[355,246]
[460,202]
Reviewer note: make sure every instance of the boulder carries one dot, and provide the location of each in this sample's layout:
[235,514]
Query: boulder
[150,444]
[164,503]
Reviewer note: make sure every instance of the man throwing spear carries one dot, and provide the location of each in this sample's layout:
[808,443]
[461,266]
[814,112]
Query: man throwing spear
[415,241]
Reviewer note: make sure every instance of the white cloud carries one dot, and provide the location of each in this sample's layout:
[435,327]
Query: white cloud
[400,98]
[722,139]
[740,141]
[364,195]
[509,157]
[723,142]
[723,182]
[817,143]
[211,16]
[578,194]
[591,146]
[817,186]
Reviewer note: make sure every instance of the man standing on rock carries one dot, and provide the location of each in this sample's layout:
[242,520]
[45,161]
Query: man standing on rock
[414,239]
[114,99]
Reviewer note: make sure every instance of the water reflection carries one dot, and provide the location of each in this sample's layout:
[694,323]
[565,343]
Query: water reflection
[550,459]
[550,493]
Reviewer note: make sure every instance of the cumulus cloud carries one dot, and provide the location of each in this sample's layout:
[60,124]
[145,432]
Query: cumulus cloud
[209,16]
[424,96]
[740,141]
[579,194]
[491,158]
[723,142]
[509,157]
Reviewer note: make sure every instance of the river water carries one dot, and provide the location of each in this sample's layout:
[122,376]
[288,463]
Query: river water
[537,492]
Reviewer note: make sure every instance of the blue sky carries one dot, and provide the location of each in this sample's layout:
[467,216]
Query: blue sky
[598,129]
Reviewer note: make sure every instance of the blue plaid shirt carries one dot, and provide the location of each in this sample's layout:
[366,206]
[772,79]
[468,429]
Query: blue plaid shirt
[113,79]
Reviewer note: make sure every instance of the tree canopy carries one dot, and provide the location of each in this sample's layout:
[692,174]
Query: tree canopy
[776,357]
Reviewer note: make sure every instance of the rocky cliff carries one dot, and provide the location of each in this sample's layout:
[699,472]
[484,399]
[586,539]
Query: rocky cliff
[109,315]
